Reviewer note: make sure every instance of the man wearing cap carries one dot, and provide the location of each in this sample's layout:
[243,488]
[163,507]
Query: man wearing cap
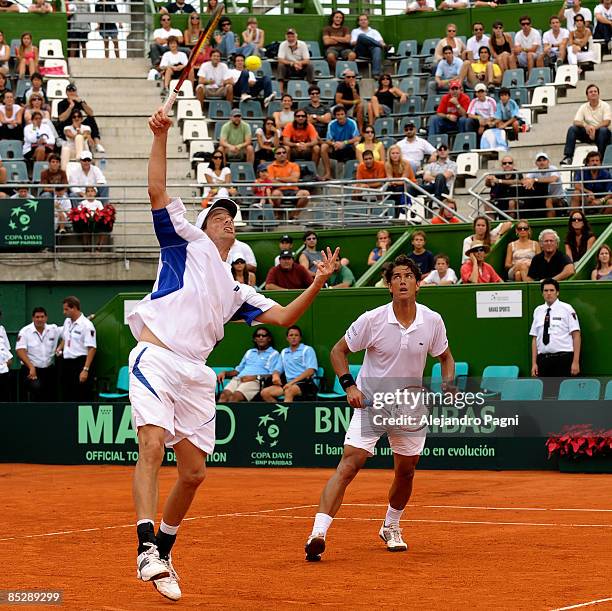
[294,60]
[287,275]
[439,175]
[73,102]
[414,148]
[285,243]
[318,113]
[543,189]
[214,79]
[235,140]
[452,107]
[172,392]
[476,270]
[87,175]
[481,112]
[447,71]
[342,136]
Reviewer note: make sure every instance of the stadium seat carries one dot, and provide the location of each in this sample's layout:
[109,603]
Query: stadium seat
[22,86]
[218,128]
[254,125]
[37,170]
[11,150]
[579,389]
[188,109]
[468,164]
[338,391]
[200,146]
[186,90]
[350,169]
[494,376]
[298,90]
[316,378]
[433,101]
[56,88]
[226,381]
[321,69]
[538,77]
[50,48]
[416,120]
[264,70]
[57,63]
[407,48]
[251,110]
[54,107]
[384,126]
[411,85]
[608,393]
[218,109]
[409,66]
[522,390]
[242,172]
[580,153]
[314,49]
[513,78]
[275,106]
[262,218]
[461,373]
[328,89]
[343,65]
[195,130]
[465,142]
[412,106]
[520,95]
[438,139]
[428,47]
[387,141]
[16,171]
[566,76]
[122,386]
[544,96]
[201,171]
[309,168]
[607,160]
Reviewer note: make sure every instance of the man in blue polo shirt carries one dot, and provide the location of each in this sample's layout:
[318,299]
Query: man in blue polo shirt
[342,136]
[256,364]
[298,363]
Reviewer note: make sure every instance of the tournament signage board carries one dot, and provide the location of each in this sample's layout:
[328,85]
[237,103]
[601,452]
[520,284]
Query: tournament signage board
[26,224]
[499,304]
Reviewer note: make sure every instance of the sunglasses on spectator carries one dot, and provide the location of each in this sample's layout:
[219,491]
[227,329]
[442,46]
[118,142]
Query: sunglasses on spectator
[507,162]
[529,22]
[449,30]
[315,93]
[498,27]
[477,29]
[443,148]
[280,153]
[349,76]
[217,156]
[369,131]
[577,219]
[479,249]
[261,335]
[522,228]
[300,116]
[164,19]
[312,237]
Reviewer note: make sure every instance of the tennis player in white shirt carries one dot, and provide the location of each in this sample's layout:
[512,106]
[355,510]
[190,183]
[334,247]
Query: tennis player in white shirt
[397,338]
[172,392]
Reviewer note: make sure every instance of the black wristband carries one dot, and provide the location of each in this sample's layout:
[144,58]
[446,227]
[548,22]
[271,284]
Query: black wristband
[346,381]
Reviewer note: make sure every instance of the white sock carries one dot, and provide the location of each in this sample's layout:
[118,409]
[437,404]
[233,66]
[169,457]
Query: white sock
[393,516]
[321,524]
[169,530]
[145,521]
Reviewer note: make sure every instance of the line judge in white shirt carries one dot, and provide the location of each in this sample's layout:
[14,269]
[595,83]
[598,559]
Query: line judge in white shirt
[177,326]
[35,347]
[397,338]
[78,348]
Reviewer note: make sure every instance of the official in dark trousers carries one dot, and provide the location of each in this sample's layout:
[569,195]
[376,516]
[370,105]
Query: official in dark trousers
[78,347]
[35,347]
[555,347]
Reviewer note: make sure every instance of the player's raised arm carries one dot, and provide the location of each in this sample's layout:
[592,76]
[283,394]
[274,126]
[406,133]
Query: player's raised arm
[159,124]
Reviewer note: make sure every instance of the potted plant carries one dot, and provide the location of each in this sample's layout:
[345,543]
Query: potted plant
[81,219]
[581,449]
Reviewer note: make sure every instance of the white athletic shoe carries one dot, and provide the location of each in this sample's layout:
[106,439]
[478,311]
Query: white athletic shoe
[392,536]
[245,96]
[315,546]
[168,586]
[150,565]
[268,99]
[100,148]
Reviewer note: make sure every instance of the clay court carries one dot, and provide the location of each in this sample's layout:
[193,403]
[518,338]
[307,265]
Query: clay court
[478,539]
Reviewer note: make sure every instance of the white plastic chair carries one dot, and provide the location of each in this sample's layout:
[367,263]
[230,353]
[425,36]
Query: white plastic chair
[188,109]
[200,169]
[468,164]
[54,106]
[543,96]
[186,90]
[56,88]
[580,153]
[200,146]
[195,130]
[50,48]
[567,76]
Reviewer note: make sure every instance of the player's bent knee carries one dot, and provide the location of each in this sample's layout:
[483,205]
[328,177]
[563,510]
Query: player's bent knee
[192,478]
[151,444]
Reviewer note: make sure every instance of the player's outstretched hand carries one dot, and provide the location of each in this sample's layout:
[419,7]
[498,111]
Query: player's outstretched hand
[355,397]
[159,123]
[325,267]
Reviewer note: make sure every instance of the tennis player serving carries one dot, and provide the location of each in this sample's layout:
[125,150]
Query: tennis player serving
[397,338]
[177,325]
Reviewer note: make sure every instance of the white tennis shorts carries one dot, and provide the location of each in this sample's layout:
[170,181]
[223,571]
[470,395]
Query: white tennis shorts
[173,393]
[360,435]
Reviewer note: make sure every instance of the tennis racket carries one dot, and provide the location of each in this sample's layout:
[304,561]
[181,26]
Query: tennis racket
[204,38]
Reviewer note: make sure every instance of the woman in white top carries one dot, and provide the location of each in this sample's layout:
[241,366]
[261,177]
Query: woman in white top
[268,138]
[38,139]
[216,174]
[483,233]
[443,274]
[5,54]
[11,117]
[285,115]
[253,35]
[520,252]
[78,138]
[579,45]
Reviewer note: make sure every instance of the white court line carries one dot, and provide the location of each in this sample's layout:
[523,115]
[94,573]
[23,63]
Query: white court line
[482,508]
[587,604]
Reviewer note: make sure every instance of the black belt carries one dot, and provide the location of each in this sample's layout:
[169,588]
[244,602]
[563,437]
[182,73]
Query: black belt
[550,355]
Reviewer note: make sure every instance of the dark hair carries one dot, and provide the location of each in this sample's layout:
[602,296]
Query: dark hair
[578,249]
[286,95]
[315,87]
[386,75]
[39,310]
[172,39]
[53,156]
[220,151]
[367,152]
[598,265]
[555,17]
[483,48]
[76,113]
[442,256]
[591,85]
[334,13]
[215,51]
[36,113]
[477,23]
[549,281]
[37,75]
[402,261]
[224,21]
[309,233]
[296,328]
[525,18]
[446,48]
[591,155]
[237,56]
[487,236]
[258,329]
[417,233]
[503,90]
[498,24]
[72,302]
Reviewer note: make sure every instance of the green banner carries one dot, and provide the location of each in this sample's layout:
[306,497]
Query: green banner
[26,224]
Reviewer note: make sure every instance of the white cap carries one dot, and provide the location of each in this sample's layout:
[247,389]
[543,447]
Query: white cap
[542,154]
[480,87]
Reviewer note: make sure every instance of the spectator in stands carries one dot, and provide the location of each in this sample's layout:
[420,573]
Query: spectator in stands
[294,60]
[78,139]
[177,7]
[190,39]
[420,255]
[442,274]
[297,366]
[544,187]
[528,45]
[62,206]
[347,95]
[53,175]
[285,243]
[369,142]
[568,13]
[87,174]
[211,5]
[439,175]
[506,186]
[475,270]
[450,5]
[579,45]
[254,36]
[483,233]
[264,189]
[256,365]
[287,275]
[603,22]
[22,193]
[446,213]
[172,63]
[450,40]
[218,175]
[8,6]
[310,255]
[382,102]
[235,140]
[239,249]
[481,112]
[36,87]
[27,56]
[3,87]
[342,277]
[72,102]
[318,113]
[38,139]
[593,186]
[414,148]
[246,85]
[282,171]
[90,202]
[453,106]
[285,115]
[227,41]
[79,26]
[301,138]
[579,238]
[551,262]
[400,168]
[337,40]
[342,136]
[241,273]
[507,113]
[501,45]
[369,169]
[477,40]
[520,252]
[555,42]
[160,39]
[368,43]
[108,29]
[447,72]
[383,242]
[11,118]
[214,79]
[482,70]
[603,269]
[268,138]
[420,6]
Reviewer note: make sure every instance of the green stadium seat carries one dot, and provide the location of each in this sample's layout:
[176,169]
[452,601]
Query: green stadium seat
[264,70]
[384,126]
[16,171]
[219,109]
[314,49]
[538,77]
[411,85]
[321,69]
[428,47]
[579,389]
[409,66]
[465,142]
[513,78]
[274,106]
[407,48]
[122,385]
[350,169]
[438,139]
[461,373]
[433,101]
[37,170]
[418,121]
[608,393]
[242,172]
[494,377]
[522,390]
[328,89]
[520,95]
[11,150]
[607,160]
[298,90]
[343,65]
[251,110]
[412,106]
[338,391]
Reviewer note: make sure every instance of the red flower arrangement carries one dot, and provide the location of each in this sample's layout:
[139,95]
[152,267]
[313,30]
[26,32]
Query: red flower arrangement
[580,440]
[84,220]
[105,218]
[79,215]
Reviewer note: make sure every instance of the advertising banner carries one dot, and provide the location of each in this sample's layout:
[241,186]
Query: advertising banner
[26,224]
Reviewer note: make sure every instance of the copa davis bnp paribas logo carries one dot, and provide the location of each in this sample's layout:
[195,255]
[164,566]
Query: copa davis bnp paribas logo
[19,223]
[268,436]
